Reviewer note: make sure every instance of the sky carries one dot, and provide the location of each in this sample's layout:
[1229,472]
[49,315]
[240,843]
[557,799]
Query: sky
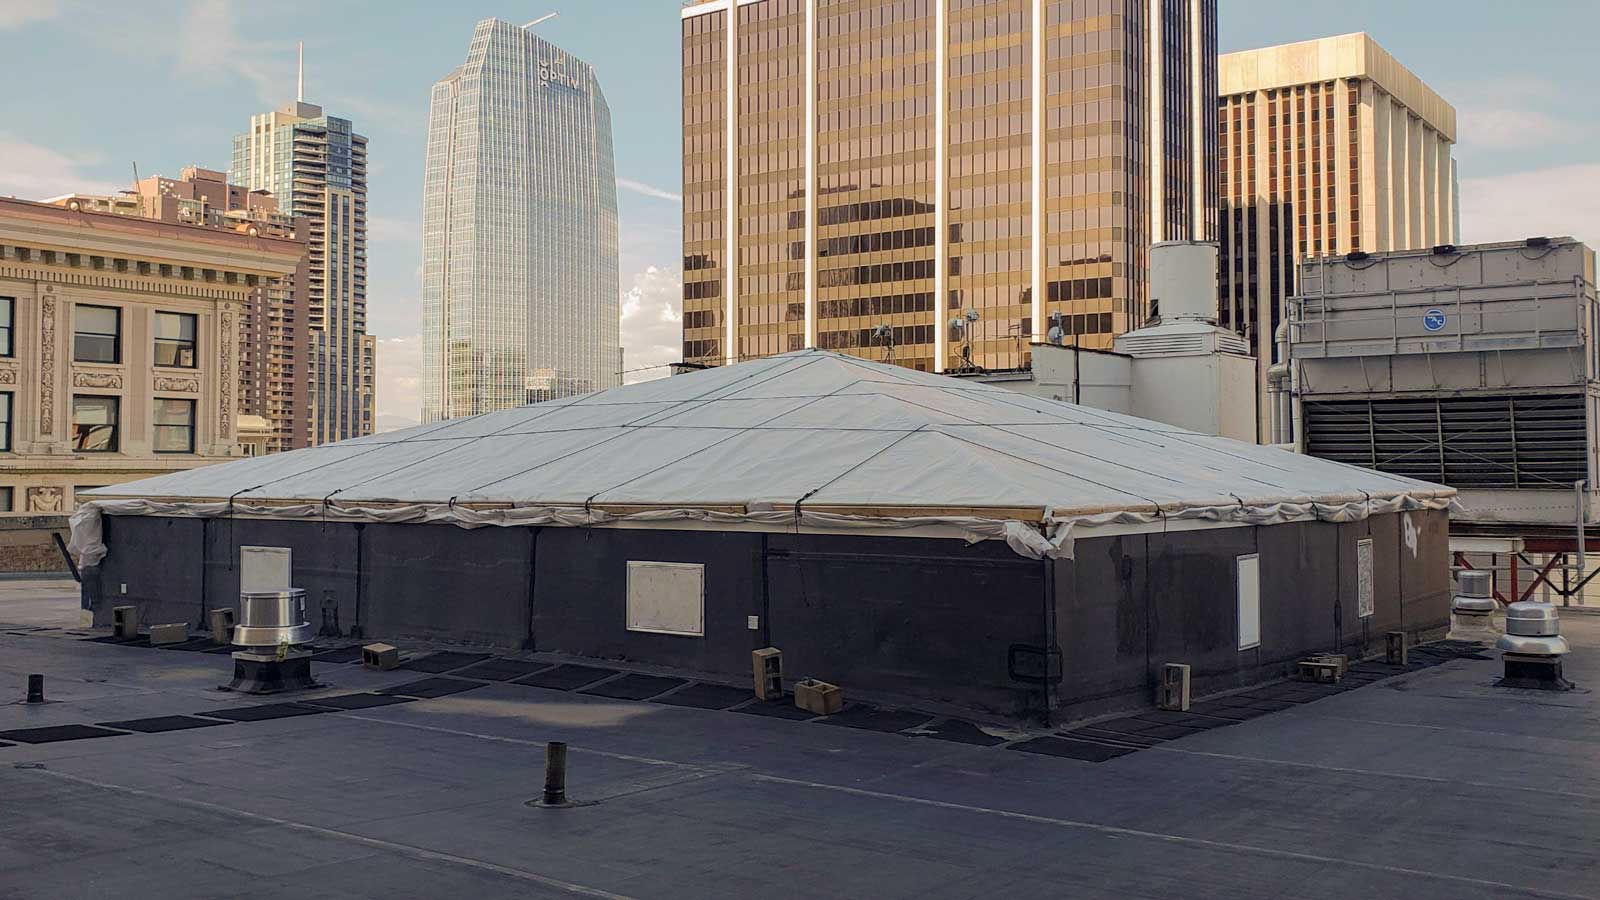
[98,85]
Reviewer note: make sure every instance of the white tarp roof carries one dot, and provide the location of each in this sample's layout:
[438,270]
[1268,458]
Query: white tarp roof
[828,431]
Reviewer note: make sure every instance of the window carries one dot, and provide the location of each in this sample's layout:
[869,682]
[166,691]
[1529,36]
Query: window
[8,321]
[175,340]
[174,426]
[94,424]
[99,334]
[667,598]
[7,499]
[1249,598]
[6,401]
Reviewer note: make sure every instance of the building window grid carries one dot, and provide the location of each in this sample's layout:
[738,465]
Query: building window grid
[174,424]
[97,335]
[8,323]
[175,340]
[96,423]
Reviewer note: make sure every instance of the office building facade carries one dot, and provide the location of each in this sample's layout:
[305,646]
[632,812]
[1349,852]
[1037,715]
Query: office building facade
[316,165]
[903,180]
[1328,147]
[519,230]
[274,332]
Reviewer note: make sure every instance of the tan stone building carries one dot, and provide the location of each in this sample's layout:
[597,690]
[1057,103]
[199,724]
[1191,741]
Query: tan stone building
[922,180]
[1327,147]
[275,328]
[119,347]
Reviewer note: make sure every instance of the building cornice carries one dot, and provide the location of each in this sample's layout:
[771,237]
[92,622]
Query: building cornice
[44,226]
[1348,56]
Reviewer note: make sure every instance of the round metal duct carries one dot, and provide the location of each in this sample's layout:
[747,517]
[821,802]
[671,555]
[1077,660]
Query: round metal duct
[272,618]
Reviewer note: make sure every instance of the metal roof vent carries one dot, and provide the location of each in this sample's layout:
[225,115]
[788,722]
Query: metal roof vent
[1533,647]
[273,626]
[1472,610]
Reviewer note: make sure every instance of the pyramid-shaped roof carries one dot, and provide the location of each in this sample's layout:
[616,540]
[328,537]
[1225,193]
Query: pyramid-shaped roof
[829,431]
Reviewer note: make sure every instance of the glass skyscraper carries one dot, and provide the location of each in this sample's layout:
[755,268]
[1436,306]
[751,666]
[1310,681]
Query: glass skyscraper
[519,230]
[316,167]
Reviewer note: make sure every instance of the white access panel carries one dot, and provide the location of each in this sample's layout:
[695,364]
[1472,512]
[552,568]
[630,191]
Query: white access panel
[667,598]
[265,569]
[1364,603]
[1249,596]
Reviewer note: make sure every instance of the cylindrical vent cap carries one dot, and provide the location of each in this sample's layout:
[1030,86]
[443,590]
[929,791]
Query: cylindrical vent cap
[1530,619]
[1472,583]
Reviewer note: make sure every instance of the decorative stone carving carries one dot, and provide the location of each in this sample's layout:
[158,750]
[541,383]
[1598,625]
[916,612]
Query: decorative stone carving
[178,384]
[44,499]
[225,375]
[8,376]
[97,380]
[47,365]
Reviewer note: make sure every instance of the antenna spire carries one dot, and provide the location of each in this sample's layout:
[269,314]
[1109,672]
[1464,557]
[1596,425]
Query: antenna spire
[300,81]
[542,18]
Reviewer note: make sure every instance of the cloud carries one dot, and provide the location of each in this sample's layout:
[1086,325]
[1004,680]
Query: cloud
[639,187]
[33,172]
[1512,113]
[1559,200]
[17,13]
[211,44]
[652,324]
[1512,128]
[399,382]
[386,228]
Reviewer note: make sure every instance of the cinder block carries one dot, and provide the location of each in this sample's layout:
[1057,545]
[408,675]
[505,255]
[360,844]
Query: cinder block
[125,622]
[222,625]
[768,665]
[1173,692]
[175,633]
[380,656]
[818,697]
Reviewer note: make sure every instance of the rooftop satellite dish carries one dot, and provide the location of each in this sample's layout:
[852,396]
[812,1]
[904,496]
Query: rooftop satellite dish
[1056,335]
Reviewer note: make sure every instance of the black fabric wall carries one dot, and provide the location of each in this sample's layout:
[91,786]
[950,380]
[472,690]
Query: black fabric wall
[924,618]
[581,585]
[1132,604]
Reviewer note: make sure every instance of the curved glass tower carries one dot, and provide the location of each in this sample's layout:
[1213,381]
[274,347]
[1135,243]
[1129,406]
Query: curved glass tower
[519,230]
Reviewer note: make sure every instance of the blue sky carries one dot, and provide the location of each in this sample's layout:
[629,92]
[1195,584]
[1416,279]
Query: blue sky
[95,86]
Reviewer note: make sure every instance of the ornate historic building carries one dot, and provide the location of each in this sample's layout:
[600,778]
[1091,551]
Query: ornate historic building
[119,347]
[275,332]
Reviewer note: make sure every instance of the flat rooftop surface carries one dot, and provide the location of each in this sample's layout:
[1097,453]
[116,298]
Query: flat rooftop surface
[1427,783]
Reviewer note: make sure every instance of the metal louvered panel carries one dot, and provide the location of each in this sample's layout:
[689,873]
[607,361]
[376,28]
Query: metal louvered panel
[1511,441]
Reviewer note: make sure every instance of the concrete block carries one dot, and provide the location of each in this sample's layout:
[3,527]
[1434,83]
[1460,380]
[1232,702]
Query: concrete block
[125,622]
[222,625]
[818,697]
[1173,693]
[175,633]
[768,665]
[380,656]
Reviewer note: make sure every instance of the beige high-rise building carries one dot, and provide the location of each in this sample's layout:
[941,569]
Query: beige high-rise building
[119,347]
[906,179]
[274,329]
[316,164]
[1328,147]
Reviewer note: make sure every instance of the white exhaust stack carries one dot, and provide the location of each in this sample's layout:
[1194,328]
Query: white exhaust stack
[1189,372]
